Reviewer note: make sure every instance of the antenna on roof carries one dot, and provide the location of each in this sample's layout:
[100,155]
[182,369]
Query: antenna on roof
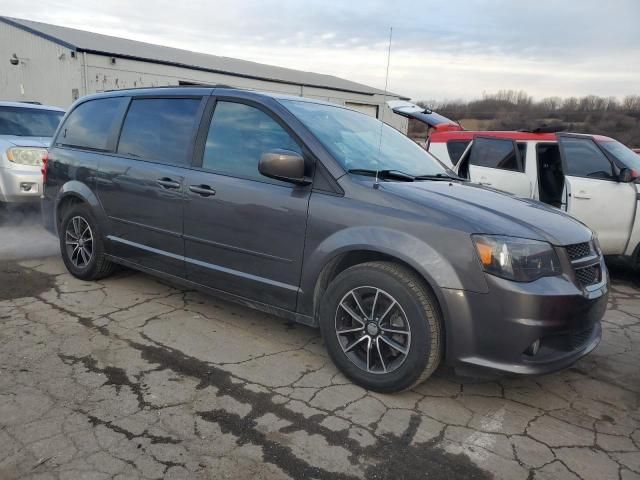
[384,98]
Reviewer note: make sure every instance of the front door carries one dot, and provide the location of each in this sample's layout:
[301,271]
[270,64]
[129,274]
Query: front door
[142,187]
[594,194]
[496,163]
[244,233]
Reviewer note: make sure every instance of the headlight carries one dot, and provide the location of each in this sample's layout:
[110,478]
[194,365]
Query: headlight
[26,156]
[516,259]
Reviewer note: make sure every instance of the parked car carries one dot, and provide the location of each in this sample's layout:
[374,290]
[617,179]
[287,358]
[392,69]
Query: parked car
[324,215]
[637,150]
[25,132]
[591,177]
[584,175]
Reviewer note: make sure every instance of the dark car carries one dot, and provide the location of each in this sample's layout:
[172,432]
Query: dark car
[323,215]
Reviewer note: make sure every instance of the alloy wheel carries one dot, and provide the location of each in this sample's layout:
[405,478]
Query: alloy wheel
[79,242]
[373,330]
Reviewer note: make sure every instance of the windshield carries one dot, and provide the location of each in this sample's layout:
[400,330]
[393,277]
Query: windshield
[29,122]
[360,142]
[622,153]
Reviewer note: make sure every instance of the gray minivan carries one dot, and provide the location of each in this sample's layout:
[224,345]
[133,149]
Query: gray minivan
[327,216]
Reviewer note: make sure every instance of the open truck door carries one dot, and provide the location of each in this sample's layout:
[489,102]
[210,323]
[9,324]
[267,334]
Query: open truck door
[496,163]
[595,193]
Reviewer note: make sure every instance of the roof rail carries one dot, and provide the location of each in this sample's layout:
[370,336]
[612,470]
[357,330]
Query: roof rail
[181,85]
[544,128]
[27,101]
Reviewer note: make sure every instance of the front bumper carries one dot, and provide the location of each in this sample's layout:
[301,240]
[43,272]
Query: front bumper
[20,185]
[494,330]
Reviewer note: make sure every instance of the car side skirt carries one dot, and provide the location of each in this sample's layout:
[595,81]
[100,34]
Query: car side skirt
[279,312]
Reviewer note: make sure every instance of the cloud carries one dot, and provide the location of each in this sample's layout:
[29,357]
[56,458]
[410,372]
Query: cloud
[440,49]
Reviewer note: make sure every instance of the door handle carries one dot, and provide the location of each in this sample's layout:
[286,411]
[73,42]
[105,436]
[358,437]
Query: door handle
[202,190]
[168,183]
[582,194]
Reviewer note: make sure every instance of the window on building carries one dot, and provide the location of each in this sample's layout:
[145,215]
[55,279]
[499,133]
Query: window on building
[159,129]
[238,136]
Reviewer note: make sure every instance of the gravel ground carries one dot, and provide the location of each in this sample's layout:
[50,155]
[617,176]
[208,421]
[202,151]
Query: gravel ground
[133,378]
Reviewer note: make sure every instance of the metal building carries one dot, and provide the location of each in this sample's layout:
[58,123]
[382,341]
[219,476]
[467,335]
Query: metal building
[56,65]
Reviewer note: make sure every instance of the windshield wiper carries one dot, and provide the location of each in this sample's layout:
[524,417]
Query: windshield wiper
[384,174]
[438,176]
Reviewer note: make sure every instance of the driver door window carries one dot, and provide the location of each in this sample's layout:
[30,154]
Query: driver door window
[238,136]
[584,159]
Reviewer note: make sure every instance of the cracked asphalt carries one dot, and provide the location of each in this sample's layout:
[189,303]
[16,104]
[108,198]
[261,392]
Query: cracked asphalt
[130,377]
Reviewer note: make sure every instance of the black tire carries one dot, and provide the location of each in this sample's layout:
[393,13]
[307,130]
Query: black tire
[97,266]
[421,313]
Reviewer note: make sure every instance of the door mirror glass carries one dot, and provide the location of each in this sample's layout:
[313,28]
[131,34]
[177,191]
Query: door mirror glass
[283,165]
[625,175]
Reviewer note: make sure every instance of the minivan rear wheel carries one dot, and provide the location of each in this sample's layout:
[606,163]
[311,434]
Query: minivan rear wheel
[81,244]
[382,326]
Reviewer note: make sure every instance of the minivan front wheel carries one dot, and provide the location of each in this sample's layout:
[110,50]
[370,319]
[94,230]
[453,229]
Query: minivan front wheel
[381,326]
[81,244]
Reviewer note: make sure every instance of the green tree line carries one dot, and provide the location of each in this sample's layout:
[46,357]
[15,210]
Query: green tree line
[515,110]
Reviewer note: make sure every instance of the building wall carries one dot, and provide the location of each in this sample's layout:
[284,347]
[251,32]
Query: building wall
[103,74]
[54,75]
[47,73]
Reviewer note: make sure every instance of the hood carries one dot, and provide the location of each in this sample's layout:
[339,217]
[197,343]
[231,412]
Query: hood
[484,210]
[428,117]
[19,141]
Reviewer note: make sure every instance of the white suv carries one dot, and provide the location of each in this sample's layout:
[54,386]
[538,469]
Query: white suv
[25,133]
[592,177]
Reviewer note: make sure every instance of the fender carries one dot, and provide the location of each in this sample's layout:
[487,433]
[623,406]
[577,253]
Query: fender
[79,190]
[435,268]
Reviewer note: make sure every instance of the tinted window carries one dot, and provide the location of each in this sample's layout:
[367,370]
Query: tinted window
[495,153]
[628,157]
[238,136]
[159,129]
[29,122]
[522,149]
[91,124]
[585,159]
[456,148]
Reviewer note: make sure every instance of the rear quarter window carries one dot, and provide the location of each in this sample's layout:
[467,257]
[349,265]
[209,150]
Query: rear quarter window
[92,124]
[456,148]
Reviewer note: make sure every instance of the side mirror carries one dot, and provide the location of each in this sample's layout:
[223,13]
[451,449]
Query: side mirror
[625,175]
[283,165]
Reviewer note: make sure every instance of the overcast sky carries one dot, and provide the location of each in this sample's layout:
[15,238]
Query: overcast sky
[441,49]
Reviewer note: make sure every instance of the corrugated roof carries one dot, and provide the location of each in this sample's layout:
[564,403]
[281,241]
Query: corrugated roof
[90,42]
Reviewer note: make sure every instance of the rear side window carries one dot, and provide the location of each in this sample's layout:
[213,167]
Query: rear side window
[91,124]
[495,153]
[238,136]
[585,159]
[159,129]
[456,148]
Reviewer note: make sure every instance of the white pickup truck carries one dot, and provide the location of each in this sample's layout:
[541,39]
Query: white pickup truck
[591,177]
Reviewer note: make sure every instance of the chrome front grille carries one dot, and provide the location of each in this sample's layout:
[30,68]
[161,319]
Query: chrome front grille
[585,262]
[588,275]
[578,250]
